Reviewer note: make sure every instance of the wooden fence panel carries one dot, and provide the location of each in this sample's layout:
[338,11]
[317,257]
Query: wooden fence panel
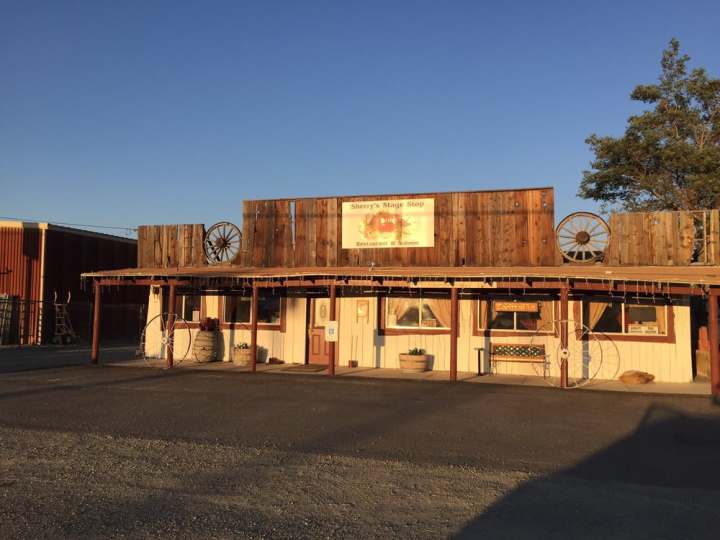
[142,253]
[470,228]
[248,230]
[333,234]
[713,245]
[663,238]
[198,249]
[301,233]
[282,238]
[170,246]
[311,217]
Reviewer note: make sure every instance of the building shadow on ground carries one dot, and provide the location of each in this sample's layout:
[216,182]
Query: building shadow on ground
[661,481]
[34,357]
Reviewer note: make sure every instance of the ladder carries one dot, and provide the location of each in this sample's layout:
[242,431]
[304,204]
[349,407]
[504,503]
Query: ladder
[64,332]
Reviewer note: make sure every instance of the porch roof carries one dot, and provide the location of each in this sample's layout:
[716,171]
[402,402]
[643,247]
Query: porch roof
[694,276]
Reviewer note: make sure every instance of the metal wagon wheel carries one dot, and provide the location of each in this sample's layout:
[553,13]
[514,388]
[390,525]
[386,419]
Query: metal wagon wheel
[222,243]
[155,339]
[582,237]
[588,358]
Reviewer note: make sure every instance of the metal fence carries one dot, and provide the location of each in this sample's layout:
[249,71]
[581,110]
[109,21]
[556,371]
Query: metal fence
[25,322]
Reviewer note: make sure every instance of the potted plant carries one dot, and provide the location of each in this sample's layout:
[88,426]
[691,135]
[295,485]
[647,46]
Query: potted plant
[205,345]
[415,361]
[241,354]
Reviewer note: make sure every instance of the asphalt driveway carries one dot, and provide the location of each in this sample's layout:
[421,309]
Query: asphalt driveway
[106,451]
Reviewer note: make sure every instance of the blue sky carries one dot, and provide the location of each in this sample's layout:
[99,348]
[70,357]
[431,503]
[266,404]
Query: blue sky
[123,113]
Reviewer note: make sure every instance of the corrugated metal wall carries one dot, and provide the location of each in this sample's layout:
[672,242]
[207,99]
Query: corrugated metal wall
[20,277]
[68,253]
[20,261]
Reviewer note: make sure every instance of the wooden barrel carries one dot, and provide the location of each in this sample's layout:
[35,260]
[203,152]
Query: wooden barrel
[414,363]
[205,346]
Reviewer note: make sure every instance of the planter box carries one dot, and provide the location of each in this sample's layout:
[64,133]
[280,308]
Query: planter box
[241,357]
[414,363]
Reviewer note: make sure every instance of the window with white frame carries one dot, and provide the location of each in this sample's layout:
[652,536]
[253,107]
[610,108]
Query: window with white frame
[237,309]
[417,313]
[516,315]
[632,317]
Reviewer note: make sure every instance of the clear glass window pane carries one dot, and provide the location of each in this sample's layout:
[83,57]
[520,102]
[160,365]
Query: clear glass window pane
[645,319]
[540,320]
[191,308]
[501,320]
[601,316]
[188,307]
[403,312]
[269,310]
[528,320]
[435,313]
[237,309]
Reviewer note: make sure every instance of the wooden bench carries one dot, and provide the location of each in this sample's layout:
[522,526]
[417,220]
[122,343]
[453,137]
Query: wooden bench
[526,354]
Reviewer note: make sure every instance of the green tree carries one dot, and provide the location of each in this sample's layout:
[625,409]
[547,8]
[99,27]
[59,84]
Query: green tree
[669,157]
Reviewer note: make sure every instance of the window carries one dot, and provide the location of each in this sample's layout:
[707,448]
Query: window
[516,315]
[188,307]
[269,310]
[237,309]
[617,317]
[417,313]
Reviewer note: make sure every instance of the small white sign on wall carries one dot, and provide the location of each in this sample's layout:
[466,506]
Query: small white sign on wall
[331,331]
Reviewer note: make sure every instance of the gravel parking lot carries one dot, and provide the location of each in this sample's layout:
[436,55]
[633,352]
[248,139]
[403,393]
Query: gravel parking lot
[113,452]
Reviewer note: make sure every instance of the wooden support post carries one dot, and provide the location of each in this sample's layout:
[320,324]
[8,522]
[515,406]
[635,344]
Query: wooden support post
[253,329]
[95,354]
[331,344]
[453,333]
[170,328]
[564,341]
[714,344]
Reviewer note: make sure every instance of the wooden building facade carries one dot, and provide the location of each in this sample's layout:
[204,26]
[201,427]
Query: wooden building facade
[477,280]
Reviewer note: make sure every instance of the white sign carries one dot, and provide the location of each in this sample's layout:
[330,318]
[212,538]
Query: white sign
[395,223]
[331,331]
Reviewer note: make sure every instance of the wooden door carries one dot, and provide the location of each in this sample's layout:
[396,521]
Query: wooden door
[318,348]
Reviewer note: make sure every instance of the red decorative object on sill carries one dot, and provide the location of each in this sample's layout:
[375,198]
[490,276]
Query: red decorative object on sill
[209,324]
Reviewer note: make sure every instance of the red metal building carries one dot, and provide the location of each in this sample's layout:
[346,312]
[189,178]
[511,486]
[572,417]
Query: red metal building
[40,260]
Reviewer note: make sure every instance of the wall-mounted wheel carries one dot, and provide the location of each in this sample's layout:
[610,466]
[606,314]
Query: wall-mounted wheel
[582,237]
[222,243]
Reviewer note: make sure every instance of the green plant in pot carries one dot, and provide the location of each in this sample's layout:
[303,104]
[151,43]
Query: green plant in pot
[415,361]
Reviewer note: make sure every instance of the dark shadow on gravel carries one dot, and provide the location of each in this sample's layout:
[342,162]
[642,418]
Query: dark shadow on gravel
[600,496]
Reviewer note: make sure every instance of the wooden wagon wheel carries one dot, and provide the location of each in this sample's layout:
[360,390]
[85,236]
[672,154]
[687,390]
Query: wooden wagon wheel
[222,243]
[589,356]
[582,237]
[155,341]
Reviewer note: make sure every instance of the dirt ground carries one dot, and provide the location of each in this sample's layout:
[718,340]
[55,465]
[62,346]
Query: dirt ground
[126,452]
